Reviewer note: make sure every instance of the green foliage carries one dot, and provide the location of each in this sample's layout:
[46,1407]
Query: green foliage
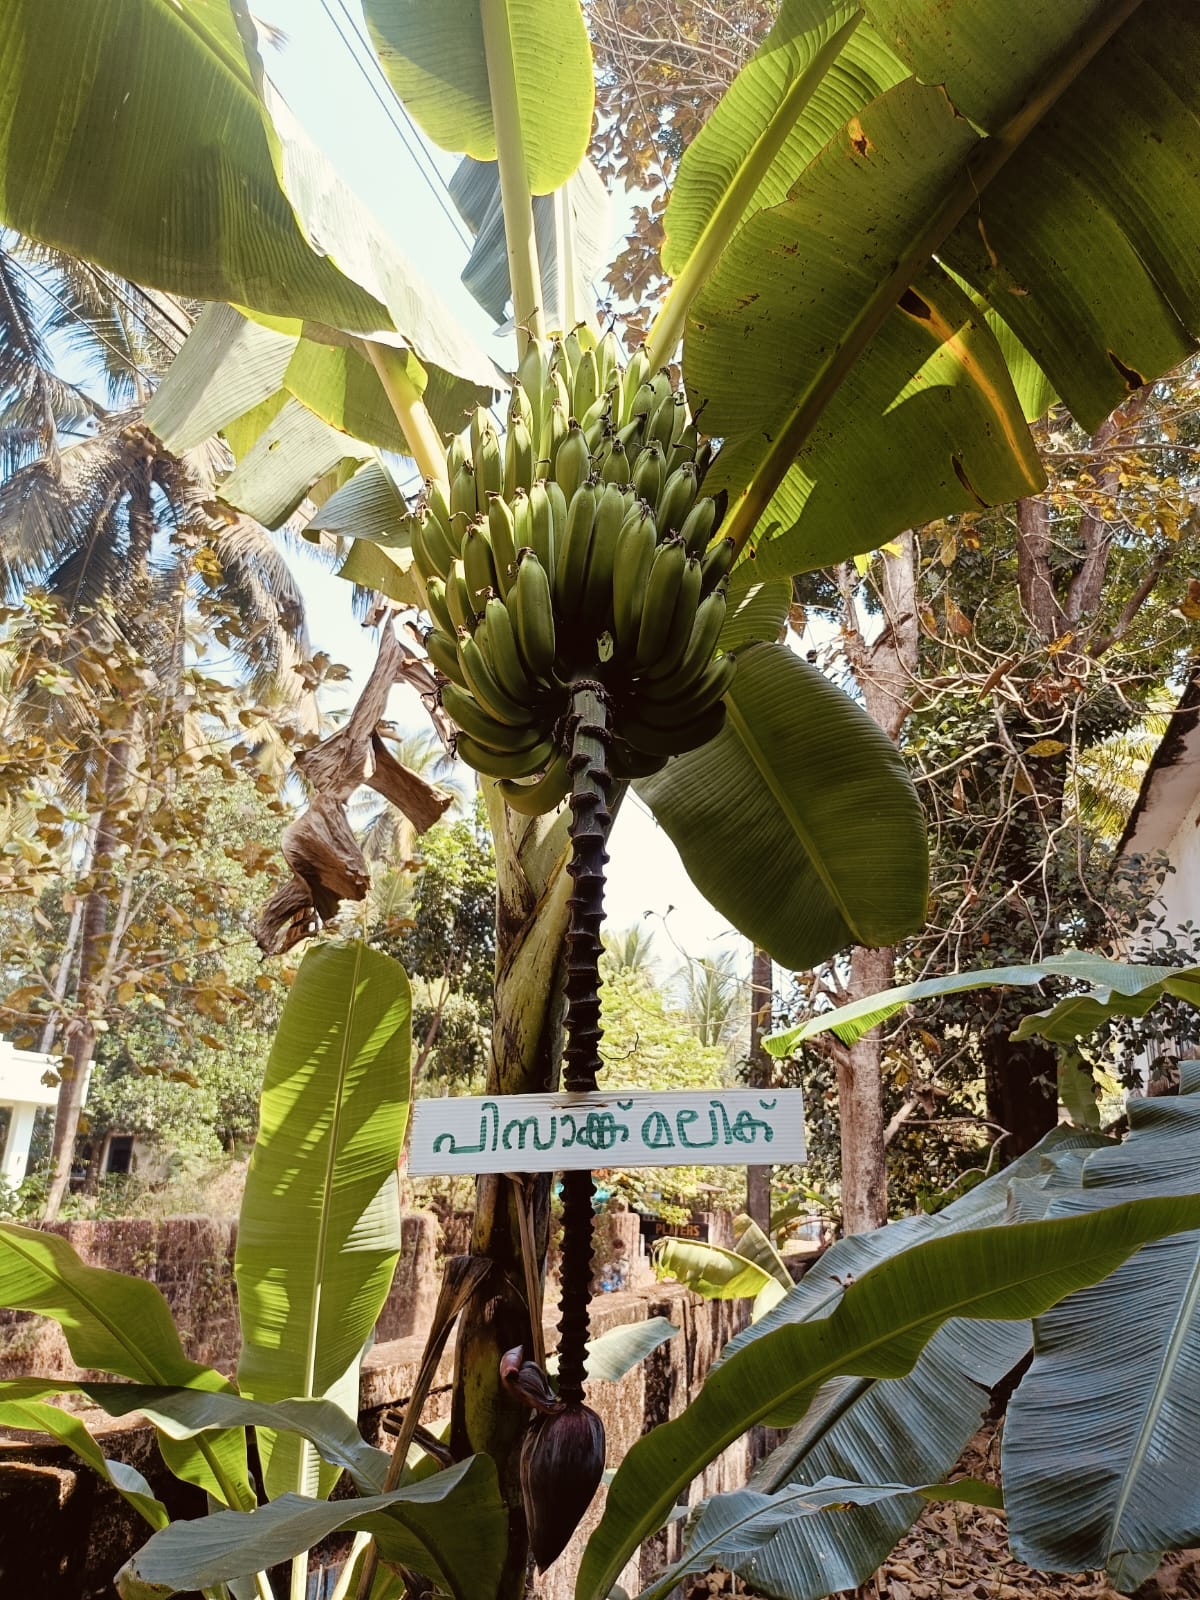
[650,1044]
[313,1274]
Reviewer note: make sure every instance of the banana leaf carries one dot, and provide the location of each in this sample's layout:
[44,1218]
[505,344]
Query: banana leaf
[184,1413]
[1100,1438]
[800,778]
[451,1526]
[878,1328]
[857,388]
[1116,988]
[744,1523]
[914,1427]
[433,56]
[118,1323]
[319,1233]
[35,1416]
[135,135]
[475,190]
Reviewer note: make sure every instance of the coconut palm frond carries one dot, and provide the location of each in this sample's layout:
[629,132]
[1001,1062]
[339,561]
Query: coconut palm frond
[630,949]
[109,322]
[35,403]
[1107,776]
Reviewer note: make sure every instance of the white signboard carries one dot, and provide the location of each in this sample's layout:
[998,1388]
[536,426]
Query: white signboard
[566,1132]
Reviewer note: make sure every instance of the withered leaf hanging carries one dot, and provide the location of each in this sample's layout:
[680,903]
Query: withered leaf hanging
[319,846]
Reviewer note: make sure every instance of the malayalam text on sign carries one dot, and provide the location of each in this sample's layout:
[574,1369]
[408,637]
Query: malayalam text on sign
[566,1132]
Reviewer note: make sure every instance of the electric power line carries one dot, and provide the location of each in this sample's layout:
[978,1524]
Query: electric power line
[389,107]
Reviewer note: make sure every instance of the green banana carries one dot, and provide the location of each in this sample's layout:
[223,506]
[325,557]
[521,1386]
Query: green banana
[643,402]
[696,528]
[484,685]
[469,716]
[534,616]
[556,432]
[631,568]
[632,379]
[658,605]
[715,565]
[585,386]
[489,467]
[616,467]
[522,763]
[608,364]
[705,635]
[440,549]
[650,472]
[443,652]
[679,737]
[458,598]
[479,566]
[541,525]
[660,385]
[573,461]
[498,636]
[425,563]
[435,594]
[518,457]
[570,564]
[462,500]
[667,417]
[597,604]
[713,685]
[520,406]
[437,506]
[533,376]
[677,498]
[456,457]
[502,529]
[543,794]
[683,619]
[627,763]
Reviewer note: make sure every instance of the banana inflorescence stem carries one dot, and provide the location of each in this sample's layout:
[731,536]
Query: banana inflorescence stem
[590,824]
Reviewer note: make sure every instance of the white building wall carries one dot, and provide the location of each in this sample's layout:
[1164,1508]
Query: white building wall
[1180,893]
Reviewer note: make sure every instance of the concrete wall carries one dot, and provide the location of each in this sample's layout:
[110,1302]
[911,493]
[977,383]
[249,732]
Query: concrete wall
[63,1533]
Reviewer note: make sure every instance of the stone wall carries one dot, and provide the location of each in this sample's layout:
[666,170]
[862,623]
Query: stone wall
[191,1261]
[63,1533]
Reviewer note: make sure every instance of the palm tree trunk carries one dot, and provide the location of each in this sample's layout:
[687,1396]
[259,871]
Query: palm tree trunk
[79,1037]
[79,1033]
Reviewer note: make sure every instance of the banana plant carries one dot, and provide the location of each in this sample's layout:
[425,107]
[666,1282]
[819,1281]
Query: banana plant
[889,247]
[1097,1435]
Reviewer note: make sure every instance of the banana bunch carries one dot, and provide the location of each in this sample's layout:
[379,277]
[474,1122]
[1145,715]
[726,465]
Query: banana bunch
[579,547]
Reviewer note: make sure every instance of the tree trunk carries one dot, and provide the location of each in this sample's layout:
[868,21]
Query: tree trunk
[79,1033]
[79,1041]
[885,672]
[758,1179]
[860,1104]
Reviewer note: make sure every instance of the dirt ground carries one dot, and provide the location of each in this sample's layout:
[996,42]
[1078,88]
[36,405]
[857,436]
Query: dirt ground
[959,1552]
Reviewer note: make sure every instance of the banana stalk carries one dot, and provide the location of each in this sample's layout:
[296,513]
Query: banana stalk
[590,824]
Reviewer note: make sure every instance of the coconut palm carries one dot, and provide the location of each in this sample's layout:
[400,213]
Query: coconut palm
[126,541]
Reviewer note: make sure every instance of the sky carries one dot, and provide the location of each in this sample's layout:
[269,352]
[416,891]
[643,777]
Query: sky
[333,84]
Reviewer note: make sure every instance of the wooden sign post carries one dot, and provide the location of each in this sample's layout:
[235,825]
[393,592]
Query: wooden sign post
[568,1132]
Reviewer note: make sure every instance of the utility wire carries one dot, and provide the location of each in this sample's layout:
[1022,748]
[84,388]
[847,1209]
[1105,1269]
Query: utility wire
[389,106]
